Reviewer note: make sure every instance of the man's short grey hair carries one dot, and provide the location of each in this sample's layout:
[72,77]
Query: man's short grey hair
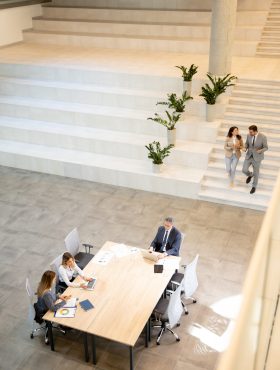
[169,219]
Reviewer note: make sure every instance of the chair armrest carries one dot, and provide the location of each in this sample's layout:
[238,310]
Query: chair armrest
[88,247]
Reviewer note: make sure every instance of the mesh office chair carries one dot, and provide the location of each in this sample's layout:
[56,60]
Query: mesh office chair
[168,312]
[188,282]
[33,317]
[72,244]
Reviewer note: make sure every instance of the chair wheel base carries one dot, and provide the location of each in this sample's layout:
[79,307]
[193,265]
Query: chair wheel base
[178,339]
[186,312]
[158,343]
[178,324]
[194,301]
[31,336]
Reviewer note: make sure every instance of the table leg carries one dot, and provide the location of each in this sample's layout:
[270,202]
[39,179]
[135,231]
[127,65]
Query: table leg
[86,347]
[147,334]
[50,334]
[131,357]
[93,343]
[149,327]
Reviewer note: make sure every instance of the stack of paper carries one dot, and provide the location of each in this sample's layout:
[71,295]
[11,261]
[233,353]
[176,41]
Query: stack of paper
[66,312]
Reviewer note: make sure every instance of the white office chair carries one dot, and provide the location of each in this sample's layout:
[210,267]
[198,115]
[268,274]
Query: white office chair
[31,312]
[188,281]
[73,244]
[54,266]
[169,312]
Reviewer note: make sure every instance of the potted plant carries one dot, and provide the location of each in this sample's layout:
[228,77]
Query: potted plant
[211,93]
[221,83]
[187,74]
[177,103]
[169,123]
[157,154]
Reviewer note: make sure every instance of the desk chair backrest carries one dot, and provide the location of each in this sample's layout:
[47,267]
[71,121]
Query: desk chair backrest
[175,309]
[182,240]
[31,297]
[190,278]
[72,242]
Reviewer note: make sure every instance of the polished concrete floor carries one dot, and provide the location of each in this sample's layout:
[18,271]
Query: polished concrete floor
[38,210]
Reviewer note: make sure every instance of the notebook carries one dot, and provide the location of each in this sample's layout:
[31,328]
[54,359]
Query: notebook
[65,312]
[86,305]
[71,303]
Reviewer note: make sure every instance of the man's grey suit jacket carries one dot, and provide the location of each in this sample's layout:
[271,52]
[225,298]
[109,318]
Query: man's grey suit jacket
[260,144]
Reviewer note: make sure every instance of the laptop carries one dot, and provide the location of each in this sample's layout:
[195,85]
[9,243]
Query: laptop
[91,284]
[149,255]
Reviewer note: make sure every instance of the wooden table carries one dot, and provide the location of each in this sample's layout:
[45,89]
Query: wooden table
[126,292]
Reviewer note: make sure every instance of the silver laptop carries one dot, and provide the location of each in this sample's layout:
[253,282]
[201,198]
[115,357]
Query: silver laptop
[91,284]
[149,255]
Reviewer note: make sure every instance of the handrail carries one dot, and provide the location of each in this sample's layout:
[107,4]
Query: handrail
[249,343]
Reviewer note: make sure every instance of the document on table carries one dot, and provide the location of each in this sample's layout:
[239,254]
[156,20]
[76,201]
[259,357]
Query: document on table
[66,312]
[71,303]
[169,263]
[104,257]
[122,250]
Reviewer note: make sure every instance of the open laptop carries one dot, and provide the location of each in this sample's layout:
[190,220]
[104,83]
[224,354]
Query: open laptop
[91,284]
[149,255]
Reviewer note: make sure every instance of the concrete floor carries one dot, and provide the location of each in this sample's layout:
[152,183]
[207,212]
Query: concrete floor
[38,210]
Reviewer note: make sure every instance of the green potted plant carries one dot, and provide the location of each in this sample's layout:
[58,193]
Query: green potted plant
[170,123]
[211,93]
[187,74]
[157,154]
[177,103]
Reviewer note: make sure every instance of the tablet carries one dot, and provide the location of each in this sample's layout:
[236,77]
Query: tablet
[86,305]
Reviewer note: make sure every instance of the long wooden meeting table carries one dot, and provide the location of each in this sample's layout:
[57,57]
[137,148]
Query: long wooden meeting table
[125,294]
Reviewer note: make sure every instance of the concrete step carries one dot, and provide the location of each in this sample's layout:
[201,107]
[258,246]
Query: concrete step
[219,167]
[256,95]
[245,200]
[175,180]
[255,112]
[269,162]
[257,87]
[81,93]
[272,130]
[119,41]
[240,180]
[253,102]
[269,44]
[109,77]
[106,142]
[158,29]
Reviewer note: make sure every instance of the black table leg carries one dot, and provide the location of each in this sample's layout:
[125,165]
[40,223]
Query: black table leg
[147,334]
[93,343]
[50,334]
[86,347]
[131,357]
[149,327]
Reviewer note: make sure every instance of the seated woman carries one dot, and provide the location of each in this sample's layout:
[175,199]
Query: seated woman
[68,270]
[46,298]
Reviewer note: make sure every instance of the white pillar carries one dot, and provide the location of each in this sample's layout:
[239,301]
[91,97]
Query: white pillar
[222,36]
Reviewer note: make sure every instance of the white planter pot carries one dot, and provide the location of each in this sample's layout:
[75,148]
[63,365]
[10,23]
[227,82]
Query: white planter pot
[211,112]
[171,137]
[187,86]
[157,168]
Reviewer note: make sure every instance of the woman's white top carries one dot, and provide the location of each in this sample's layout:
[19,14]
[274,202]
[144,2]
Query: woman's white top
[66,274]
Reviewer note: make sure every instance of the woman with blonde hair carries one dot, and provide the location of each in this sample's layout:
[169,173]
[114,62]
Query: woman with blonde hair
[46,297]
[233,146]
[68,270]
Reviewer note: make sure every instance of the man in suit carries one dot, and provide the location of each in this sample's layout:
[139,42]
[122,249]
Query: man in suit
[167,240]
[256,145]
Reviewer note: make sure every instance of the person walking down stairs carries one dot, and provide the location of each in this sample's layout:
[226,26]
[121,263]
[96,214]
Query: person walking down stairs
[233,146]
[255,145]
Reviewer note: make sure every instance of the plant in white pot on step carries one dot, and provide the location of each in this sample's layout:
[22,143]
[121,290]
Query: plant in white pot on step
[157,154]
[187,74]
[177,103]
[211,93]
[170,123]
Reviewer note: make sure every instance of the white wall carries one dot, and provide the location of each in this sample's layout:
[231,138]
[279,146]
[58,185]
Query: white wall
[14,20]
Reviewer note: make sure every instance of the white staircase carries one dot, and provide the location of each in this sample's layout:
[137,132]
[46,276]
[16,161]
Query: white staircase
[92,125]
[170,28]
[252,102]
[269,45]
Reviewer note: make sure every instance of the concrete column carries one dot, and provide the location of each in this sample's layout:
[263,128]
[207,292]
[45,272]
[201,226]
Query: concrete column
[222,36]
